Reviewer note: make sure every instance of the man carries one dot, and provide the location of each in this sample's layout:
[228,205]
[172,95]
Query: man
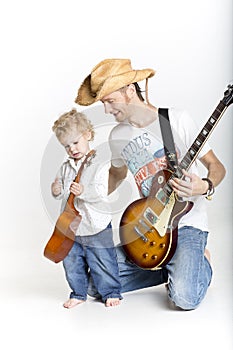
[136,144]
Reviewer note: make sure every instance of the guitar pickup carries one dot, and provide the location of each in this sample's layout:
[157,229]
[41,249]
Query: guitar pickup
[150,215]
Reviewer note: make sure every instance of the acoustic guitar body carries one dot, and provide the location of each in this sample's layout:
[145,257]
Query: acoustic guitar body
[62,238]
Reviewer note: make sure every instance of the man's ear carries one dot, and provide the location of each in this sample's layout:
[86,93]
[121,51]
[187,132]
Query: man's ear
[131,91]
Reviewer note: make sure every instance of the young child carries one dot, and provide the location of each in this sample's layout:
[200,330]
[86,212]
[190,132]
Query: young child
[93,251]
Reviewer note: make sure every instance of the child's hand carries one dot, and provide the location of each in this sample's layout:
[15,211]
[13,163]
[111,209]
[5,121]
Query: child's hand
[76,188]
[56,187]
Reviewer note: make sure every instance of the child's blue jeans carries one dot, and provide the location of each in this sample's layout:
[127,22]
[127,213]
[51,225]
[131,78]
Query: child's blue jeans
[94,254]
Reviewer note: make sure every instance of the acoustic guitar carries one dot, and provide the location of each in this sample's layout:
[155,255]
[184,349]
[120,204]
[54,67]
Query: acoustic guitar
[149,226]
[63,237]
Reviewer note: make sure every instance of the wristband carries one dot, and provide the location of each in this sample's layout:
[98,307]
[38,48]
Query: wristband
[210,190]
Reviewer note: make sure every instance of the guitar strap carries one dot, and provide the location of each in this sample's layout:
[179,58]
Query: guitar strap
[168,140]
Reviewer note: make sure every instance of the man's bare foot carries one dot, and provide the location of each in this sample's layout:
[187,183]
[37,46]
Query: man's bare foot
[112,302]
[207,254]
[72,302]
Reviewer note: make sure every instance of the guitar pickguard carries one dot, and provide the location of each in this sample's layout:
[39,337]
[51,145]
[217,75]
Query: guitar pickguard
[162,222]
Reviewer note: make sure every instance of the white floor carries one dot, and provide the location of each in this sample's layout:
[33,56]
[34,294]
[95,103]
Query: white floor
[33,290]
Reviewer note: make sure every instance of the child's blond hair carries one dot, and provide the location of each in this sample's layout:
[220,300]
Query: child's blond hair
[70,120]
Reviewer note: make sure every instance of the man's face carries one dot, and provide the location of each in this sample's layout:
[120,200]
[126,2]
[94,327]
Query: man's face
[117,104]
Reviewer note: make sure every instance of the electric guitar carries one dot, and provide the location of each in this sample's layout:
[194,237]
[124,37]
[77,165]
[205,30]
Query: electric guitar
[149,226]
[63,237]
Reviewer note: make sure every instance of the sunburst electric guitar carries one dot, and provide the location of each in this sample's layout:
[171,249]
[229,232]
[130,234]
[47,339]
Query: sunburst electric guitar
[149,226]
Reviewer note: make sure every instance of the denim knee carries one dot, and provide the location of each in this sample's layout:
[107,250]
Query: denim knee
[188,297]
[185,301]
[189,271]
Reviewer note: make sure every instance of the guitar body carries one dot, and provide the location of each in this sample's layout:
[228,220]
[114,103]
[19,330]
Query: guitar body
[62,238]
[149,226]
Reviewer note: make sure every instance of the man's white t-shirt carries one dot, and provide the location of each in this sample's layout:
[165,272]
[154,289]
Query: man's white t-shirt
[141,149]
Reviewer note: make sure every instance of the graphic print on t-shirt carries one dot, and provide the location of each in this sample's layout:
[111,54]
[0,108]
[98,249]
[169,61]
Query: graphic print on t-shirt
[144,156]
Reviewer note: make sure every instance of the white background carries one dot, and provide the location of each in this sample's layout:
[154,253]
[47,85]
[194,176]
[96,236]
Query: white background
[47,49]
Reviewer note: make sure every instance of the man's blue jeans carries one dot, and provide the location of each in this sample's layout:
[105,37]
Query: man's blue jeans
[96,255]
[188,273]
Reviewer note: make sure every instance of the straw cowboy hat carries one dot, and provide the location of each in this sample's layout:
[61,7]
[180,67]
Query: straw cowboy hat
[108,76]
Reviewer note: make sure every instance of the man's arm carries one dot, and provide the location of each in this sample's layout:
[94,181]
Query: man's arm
[216,170]
[196,186]
[116,176]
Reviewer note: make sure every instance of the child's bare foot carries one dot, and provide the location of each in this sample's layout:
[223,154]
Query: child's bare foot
[112,302]
[72,302]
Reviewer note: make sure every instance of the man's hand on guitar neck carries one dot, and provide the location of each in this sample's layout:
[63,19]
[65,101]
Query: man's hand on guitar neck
[193,185]
[190,185]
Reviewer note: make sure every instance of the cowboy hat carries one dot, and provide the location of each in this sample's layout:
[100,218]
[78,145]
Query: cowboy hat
[108,76]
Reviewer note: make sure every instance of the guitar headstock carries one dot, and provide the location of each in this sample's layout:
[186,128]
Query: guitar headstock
[228,96]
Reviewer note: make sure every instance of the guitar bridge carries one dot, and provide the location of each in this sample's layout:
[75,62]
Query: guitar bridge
[140,234]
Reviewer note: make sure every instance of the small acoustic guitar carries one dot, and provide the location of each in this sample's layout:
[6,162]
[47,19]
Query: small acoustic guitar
[63,237]
[149,226]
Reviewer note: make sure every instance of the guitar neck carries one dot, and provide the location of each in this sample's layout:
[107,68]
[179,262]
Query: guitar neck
[70,201]
[201,139]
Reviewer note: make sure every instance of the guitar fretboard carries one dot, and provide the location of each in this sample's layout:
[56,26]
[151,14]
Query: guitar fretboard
[196,147]
[199,142]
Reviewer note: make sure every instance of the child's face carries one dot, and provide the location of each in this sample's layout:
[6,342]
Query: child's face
[76,144]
